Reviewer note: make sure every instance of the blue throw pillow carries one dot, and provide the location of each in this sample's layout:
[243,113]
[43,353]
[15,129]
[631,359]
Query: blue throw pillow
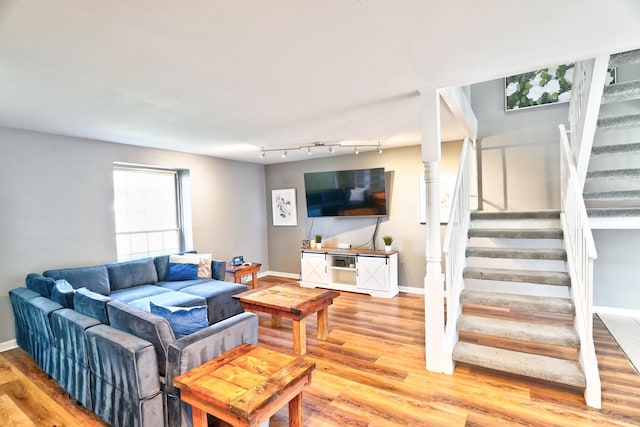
[183,320]
[63,293]
[177,272]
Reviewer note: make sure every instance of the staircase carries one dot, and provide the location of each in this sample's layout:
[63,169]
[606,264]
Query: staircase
[517,313]
[612,186]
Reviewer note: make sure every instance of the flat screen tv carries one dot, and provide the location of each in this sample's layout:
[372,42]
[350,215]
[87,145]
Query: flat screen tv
[360,192]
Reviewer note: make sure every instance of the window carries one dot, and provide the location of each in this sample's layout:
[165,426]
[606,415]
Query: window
[148,211]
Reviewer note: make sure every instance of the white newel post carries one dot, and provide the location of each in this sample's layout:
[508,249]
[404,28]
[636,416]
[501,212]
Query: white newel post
[434,280]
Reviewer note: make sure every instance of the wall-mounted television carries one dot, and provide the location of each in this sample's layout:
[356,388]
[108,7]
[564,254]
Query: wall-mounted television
[360,192]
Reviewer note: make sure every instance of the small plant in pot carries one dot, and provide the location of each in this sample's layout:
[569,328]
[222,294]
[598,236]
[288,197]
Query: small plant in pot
[387,243]
[318,241]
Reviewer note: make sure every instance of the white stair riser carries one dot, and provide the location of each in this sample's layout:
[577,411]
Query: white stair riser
[614,223]
[517,288]
[629,160]
[611,185]
[616,136]
[516,223]
[517,264]
[488,242]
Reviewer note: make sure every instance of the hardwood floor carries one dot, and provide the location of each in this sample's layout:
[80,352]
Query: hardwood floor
[370,372]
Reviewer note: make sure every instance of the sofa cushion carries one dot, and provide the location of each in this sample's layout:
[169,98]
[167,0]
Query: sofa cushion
[137,292]
[127,274]
[95,279]
[150,327]
[162,265]
[183,320]
[40,284]
[91,304]
[178,299]
[176,286]
[203,261]
[178,272]
[63,293]
[219,295]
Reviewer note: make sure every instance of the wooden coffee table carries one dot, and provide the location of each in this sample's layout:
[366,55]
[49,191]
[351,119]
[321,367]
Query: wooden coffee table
[246,386]
[295,304]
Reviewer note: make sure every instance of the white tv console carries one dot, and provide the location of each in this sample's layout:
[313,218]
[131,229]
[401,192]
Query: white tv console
[352,270]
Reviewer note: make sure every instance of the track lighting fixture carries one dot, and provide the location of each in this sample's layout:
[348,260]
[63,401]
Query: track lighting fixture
[332,147]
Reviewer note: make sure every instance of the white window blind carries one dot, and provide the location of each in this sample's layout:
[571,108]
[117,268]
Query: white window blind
[147,212]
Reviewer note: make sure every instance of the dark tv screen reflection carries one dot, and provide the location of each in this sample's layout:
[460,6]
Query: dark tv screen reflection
[358,192]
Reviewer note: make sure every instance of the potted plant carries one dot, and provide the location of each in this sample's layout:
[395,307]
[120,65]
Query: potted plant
[318,241]
[387,243]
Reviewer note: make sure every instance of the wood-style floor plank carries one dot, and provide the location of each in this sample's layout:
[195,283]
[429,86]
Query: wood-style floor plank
[371,372]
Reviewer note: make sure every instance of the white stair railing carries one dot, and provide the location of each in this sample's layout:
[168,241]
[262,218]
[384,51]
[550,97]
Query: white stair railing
[586,94]
[581,252]
[454,247]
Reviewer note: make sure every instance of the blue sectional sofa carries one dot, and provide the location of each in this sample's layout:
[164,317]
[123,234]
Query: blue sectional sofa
[92,330]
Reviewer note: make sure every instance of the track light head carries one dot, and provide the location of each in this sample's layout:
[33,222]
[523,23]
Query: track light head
[284,154]
[308,151]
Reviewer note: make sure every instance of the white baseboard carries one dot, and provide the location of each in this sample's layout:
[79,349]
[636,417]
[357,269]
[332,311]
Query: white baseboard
[411,290]
[8,345]
[279,274]
[617,311]
[406,289]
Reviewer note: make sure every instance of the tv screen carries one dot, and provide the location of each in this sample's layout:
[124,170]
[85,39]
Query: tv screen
[346,193]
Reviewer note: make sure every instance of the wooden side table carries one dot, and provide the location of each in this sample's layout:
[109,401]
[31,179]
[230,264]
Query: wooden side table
[246,386]
[241,270]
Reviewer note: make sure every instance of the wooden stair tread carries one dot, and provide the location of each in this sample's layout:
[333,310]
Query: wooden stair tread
[521,331]
[620,92]
[518,302]
[556,278]
[516,233]
[614,174]
[530,365]
[517,253]
[539,214]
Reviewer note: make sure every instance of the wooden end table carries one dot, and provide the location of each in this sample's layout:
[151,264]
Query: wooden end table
[295,304]
[241,270]
[246,386]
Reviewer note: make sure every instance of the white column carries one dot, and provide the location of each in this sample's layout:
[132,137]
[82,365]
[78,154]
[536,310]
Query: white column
[434,280]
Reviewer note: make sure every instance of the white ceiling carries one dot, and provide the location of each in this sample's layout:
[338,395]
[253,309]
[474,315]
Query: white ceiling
[225,78]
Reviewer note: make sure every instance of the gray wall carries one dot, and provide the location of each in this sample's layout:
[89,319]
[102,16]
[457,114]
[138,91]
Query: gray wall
[518,151]
[56,205]
[616,270]
[404,168]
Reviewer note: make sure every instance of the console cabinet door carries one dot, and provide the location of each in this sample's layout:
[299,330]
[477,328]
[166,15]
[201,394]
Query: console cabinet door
[372,273]
[313,267]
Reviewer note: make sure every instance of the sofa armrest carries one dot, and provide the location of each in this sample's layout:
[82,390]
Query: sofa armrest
[197,348]
[218,268]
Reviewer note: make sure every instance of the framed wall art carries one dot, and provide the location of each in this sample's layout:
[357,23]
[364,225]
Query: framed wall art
[541,87]
[283,203]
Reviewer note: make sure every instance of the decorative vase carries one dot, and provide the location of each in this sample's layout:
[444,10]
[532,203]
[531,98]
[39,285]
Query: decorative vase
[312,244]
[387,248]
